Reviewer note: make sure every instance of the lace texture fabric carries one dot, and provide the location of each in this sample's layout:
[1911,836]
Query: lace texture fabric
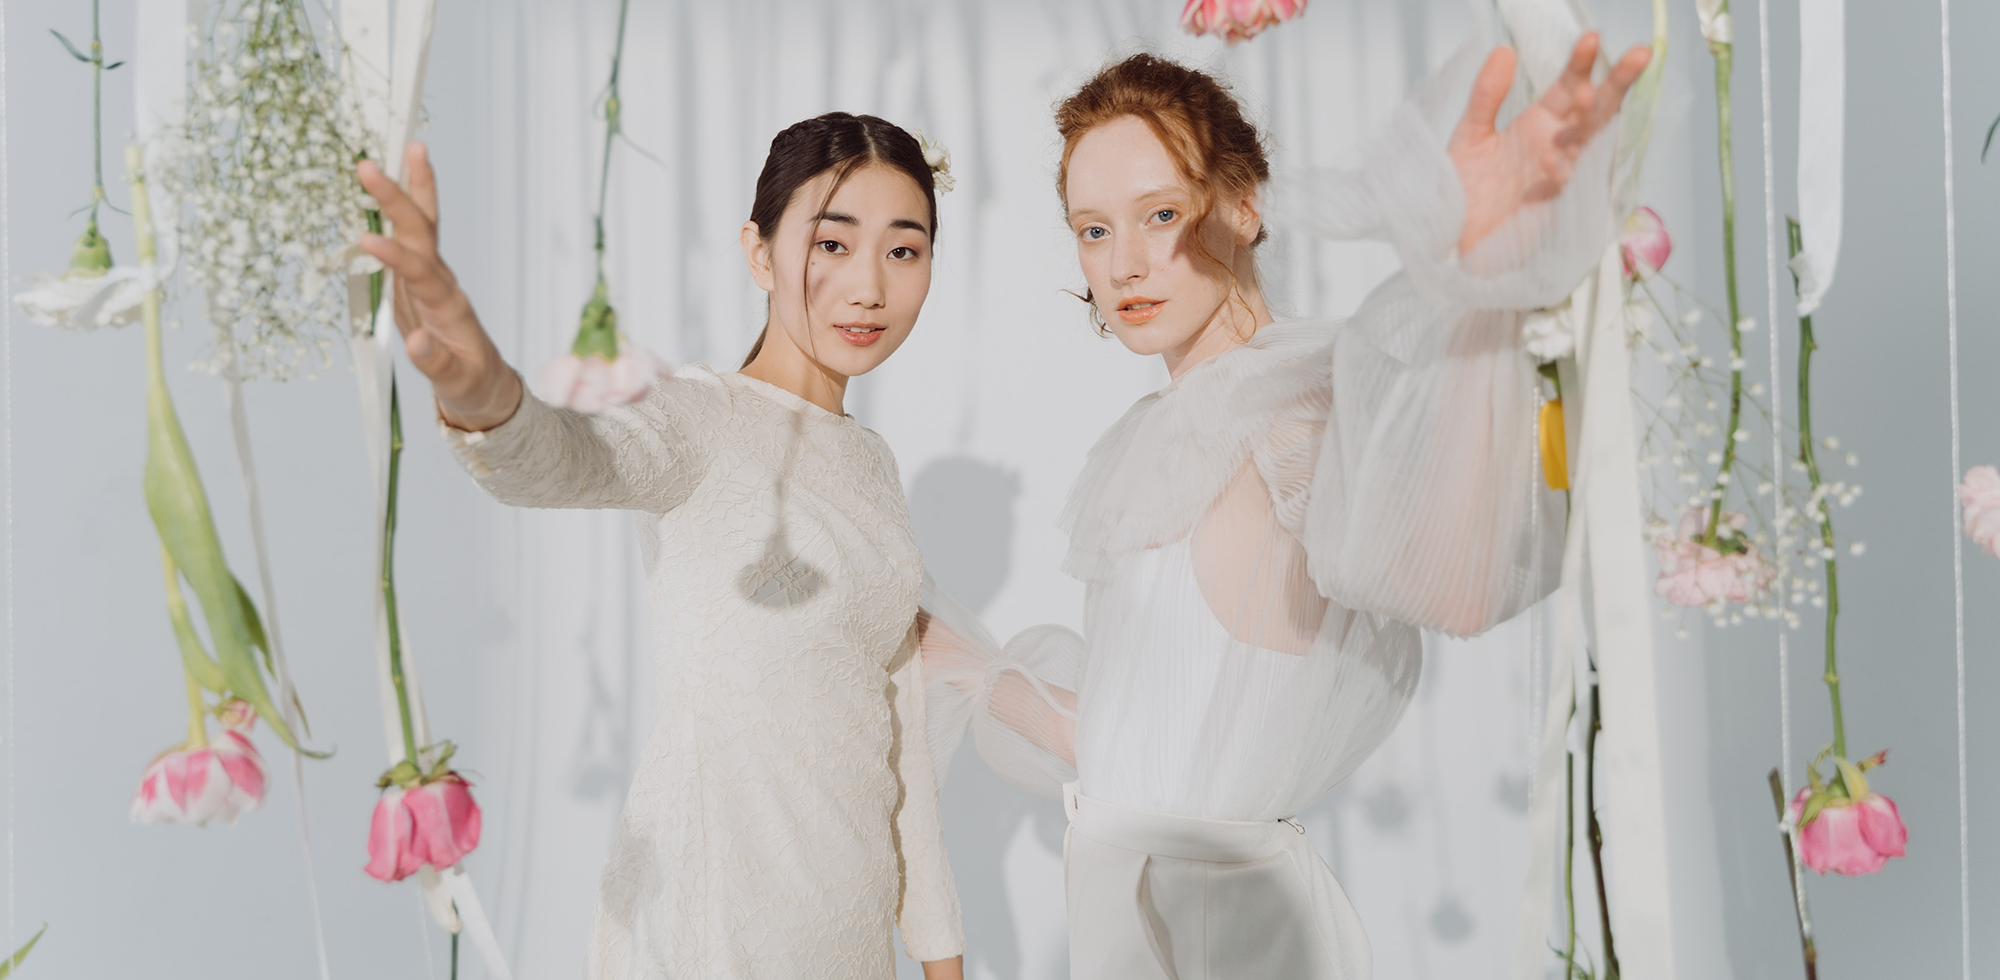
[1263,540]
[783,819]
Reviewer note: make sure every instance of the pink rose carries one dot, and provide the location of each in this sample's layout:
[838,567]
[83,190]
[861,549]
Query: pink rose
[591,384]
[1850,838]
[1644,243]
[1694,574]
[195,786]
[434,823]
[1980,494]
[1237,20]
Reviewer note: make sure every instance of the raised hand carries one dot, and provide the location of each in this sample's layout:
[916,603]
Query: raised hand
[1530,161]
[475,388]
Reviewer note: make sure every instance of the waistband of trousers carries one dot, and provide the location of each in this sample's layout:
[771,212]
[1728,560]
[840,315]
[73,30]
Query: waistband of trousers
[1176,836]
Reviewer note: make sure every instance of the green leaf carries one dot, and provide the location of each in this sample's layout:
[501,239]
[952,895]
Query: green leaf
[1852,781]
[181,513]
[112,65]
[80,56]
[1989,139]
[194,655]
[7,968]
[1814,804]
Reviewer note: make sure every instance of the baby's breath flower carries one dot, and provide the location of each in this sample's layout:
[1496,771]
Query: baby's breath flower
[275,208]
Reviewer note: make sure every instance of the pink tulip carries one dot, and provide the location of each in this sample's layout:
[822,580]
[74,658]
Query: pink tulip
[1980,494]
[1644,243]
[195,786]
[434,823]
[590,384]
[1694,574]
[1237,20]
[1850,838]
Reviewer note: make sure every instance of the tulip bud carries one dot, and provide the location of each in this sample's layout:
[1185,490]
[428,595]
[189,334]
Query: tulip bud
[1844,836]
[194,786]
[1644,243]
[435,823]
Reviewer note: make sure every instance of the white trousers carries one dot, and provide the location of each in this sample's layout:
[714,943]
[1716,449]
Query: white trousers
[1156,896]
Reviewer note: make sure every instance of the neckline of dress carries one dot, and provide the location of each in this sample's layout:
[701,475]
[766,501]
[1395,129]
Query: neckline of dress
[1267,337]
[785,399]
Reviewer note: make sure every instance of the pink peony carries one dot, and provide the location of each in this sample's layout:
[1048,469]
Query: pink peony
[434,823]
[195,786]
[1237,20]
[592,384]
[1850,838]
[1694,574]
[1980,494]
[1644,243]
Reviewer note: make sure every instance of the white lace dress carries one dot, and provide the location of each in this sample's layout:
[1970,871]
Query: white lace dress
[781,824]
[1262,541]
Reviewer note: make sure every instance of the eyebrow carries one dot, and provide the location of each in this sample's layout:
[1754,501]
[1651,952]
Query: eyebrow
[841,217]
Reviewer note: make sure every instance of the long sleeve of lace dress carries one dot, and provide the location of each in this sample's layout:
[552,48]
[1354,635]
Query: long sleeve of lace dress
[928,905]
[647,456]
[1419,497]
[1019,701]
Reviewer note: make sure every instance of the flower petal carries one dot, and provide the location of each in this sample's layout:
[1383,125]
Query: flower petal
[389,835]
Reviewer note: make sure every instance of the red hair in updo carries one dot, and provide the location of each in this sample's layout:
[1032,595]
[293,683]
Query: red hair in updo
[1215,148]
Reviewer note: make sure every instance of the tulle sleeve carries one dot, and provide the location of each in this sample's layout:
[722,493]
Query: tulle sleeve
[928,911]
[1418,497]
[647,456]
[1019,701]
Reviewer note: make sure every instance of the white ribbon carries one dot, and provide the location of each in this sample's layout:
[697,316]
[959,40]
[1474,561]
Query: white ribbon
[1822,109]
[387,100]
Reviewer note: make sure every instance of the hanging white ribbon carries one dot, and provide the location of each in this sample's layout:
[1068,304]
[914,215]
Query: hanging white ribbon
[388,101]
[1822,110]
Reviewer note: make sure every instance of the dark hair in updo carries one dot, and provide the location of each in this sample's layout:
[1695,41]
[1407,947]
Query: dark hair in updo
[839,143]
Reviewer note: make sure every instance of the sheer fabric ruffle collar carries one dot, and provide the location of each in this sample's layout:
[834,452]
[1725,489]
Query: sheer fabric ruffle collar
[1154,473]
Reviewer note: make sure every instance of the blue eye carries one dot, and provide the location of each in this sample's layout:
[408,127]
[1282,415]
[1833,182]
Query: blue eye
[831,247]
[1094,233]
[1165,215]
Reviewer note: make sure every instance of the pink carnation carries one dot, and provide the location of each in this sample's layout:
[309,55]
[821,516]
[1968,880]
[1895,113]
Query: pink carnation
[592,384]
[1694,574]
[1980,494]
[1237,20]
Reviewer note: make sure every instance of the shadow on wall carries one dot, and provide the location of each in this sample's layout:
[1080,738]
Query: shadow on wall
[962,511]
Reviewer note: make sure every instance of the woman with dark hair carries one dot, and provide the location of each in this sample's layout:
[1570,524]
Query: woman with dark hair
[783,821]
[1263,538]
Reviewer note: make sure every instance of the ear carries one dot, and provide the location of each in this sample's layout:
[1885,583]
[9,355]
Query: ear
[757,253]
[1248,218]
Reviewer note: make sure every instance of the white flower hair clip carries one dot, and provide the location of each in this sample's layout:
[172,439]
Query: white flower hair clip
[938,159]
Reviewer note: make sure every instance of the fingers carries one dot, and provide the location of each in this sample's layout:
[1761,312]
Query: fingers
[1489,89]
[423,180]
[407,220]
[1611,94]
[424,276]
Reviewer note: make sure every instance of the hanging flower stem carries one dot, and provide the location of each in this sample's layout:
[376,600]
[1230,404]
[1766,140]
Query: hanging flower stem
[1595,833]
[1569,852]
[1817,502]
[1723,57]
[1807,948]
[389,579]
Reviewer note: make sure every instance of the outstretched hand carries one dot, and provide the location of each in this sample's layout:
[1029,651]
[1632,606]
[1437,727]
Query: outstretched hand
[475,388]
[1503,171]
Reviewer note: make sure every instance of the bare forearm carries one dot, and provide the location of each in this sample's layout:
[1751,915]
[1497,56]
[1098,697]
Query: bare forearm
[951,969]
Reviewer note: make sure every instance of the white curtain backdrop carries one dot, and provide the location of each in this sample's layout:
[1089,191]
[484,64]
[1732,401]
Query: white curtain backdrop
[528,626]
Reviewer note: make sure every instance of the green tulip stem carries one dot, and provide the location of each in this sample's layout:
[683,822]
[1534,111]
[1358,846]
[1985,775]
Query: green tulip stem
[612,107]
[96,109]
[1806,347]
[197,712]
[1594,832]
[1723,57]
[389,579]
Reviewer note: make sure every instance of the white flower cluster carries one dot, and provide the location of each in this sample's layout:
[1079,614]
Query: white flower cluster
[275,207]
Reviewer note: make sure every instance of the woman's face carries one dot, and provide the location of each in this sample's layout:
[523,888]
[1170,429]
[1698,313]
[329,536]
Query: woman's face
[847,276]
[1129,209]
